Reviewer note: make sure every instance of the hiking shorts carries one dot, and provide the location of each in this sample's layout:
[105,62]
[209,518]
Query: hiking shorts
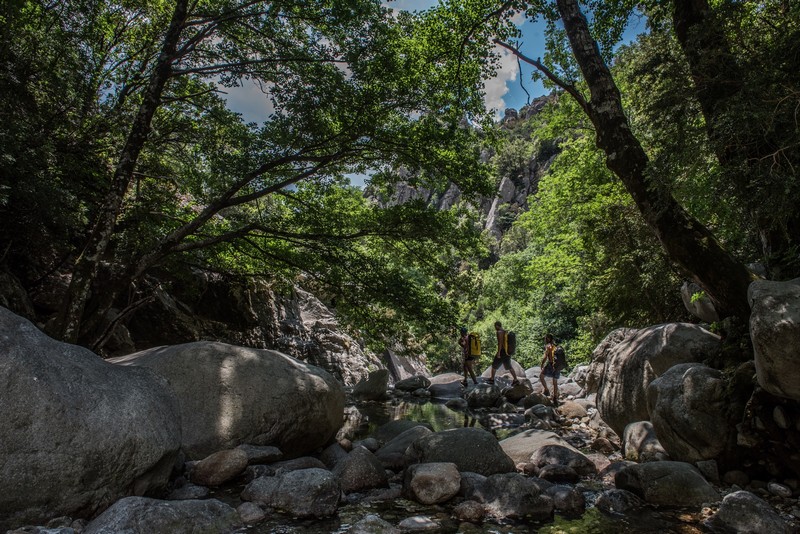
[504,360]
[549,372]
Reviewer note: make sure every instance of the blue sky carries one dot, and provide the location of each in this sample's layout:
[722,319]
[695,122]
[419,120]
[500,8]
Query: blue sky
[504,91]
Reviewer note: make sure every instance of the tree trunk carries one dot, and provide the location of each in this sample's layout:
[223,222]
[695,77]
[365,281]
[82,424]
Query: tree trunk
[719,84]
[684,238]
[86,265]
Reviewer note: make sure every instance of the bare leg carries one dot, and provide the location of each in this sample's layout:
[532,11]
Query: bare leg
[544,385]
[471,372]
[555,390]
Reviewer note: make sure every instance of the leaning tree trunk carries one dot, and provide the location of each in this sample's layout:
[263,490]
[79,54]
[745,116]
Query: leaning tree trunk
[719,83]
[86,266]
[684,238]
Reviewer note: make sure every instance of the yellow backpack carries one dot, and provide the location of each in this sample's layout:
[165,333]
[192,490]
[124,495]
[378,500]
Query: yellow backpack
[474,341]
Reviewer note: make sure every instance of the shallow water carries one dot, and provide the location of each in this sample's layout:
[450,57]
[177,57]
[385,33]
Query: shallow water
[646,521]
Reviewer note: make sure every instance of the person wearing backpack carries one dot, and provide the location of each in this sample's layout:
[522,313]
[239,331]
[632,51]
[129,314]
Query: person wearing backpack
[549,368]
[501,357]
[469,345]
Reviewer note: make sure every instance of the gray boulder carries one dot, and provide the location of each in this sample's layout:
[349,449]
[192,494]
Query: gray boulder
[520,447]
[432,483]
[775,332]
[446,386]
[640,443]
[392,455]
[231,395]
[219,467]
[618,501]
[484,396]
[360,470]
[698,303]
[640,359]
[304,493]
[373,387]
[687,406]
[76,432]
[667,484]
[515,496]
[471,449]
[563,455]
[741,511]
[138,514]
[593,377]
[412,383]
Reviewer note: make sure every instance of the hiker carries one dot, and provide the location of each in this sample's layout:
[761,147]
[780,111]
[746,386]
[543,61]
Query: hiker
[467,358]
[501,356]
[548,367]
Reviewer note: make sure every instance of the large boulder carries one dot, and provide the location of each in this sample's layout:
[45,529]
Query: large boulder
[638,360]
[591,380]
[373,387]
[76,432]
[775,331]
[640,443]
[667,484]
[687,406]
[741,511]
[138,514]
[521,447]
[471,449]
[310,492]
[232,395]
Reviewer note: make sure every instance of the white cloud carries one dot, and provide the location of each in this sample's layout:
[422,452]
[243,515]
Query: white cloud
[497,87]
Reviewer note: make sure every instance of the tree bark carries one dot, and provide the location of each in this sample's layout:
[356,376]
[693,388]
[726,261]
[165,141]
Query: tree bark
[86,265]
[684,238]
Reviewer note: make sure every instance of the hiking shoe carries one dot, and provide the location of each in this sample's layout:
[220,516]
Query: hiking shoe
[490,380]
[547,393]
[464,382]
[515,383]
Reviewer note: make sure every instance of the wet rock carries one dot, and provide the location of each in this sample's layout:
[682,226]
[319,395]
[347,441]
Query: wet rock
[618,501]
[304,493]
[471,449]
[251,513]
[514,496]
[371,444]
[432,483]
[741,511]
[779,489]
[139,514]
[372,524]
[469,511]
[471,484]
[219,467]
[360,471]
[418,523]
[295,464]
[458,405]
[640,444]
[709,469]
[667,483]
[188,491]
[567,499]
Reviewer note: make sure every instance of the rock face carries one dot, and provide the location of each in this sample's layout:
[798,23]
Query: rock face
[697,303]
[667,484]
[247,313]
[232,395]
[591,380]
[76,432]
[775,331]
[638,360]
[687,406]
